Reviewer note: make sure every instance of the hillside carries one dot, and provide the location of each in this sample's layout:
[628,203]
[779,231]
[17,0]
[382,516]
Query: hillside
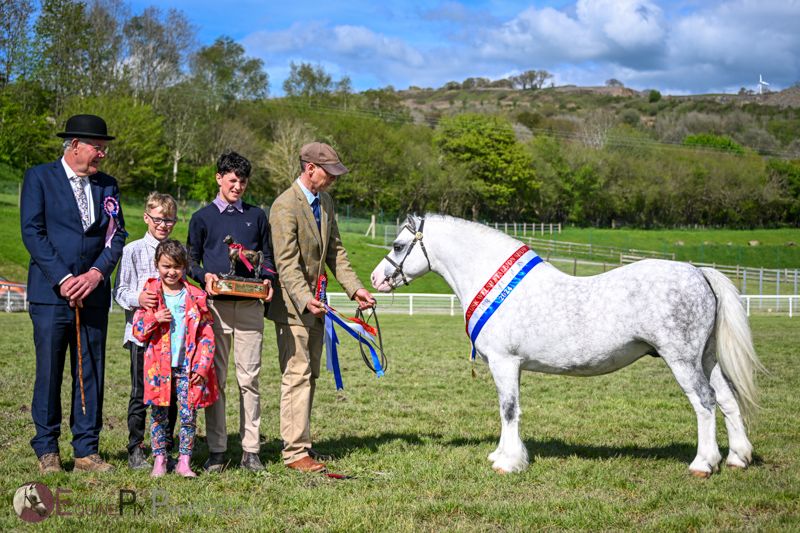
[768,123]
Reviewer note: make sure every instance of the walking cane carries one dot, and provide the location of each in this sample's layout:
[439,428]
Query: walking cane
[80,357]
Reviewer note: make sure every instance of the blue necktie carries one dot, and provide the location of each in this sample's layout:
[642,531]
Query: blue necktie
[315,209]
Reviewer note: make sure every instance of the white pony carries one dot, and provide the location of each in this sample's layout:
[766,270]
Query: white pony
[585,326]
[27,497]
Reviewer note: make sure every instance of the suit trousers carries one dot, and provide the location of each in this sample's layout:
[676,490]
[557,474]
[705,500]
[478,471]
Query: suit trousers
[137,410]
[299,353]
[53,332]
[239,323]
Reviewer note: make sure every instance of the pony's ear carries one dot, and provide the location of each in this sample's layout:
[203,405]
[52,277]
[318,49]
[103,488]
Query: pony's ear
[412,222]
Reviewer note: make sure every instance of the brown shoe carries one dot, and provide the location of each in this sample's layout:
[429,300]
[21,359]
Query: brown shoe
[306,464]
[92,463]
[50,463]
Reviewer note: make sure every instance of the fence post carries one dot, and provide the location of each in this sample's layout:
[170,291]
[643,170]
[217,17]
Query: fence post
[410,305]
[790,306]
[778,289]
[760,285]
[748,305]
[524,227]
[744,281]
[452,305]
[574,266]
[515,229]
[8,300]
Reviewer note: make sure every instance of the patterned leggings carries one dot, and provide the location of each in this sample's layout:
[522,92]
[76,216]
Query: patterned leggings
[188,415]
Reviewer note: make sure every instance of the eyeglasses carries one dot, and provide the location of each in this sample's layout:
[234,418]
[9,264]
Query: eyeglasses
[169,222]
[102,149]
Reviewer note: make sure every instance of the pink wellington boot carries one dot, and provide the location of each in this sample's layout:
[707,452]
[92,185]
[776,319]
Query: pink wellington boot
[159,466]
[183,467]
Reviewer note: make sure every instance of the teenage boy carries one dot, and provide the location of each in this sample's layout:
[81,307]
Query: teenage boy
[238,321]
[135,268]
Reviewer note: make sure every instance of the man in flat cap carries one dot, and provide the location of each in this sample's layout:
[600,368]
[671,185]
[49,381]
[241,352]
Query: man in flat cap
[305,238]
[72,226]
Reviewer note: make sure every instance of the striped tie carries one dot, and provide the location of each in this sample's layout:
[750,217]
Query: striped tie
[80,197]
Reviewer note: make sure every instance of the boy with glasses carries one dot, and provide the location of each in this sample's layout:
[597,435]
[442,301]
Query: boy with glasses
[135,268]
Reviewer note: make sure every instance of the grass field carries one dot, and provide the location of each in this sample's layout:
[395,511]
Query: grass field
[608,453]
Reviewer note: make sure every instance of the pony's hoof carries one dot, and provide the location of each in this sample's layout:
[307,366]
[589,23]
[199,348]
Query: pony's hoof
[500,471]
[700,474]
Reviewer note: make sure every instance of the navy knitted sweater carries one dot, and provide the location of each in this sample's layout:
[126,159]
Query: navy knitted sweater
[208,227]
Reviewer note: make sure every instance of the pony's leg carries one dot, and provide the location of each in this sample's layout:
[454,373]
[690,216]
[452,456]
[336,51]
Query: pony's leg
[510,455]
[695,384]
[740,452]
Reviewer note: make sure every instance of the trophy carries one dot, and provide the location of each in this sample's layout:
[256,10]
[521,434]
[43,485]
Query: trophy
[232,285]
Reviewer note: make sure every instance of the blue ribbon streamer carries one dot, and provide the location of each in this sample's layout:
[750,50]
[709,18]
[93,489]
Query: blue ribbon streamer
[332,359]
[500,299]
[333,356]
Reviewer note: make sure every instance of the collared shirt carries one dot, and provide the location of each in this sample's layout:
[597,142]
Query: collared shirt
[86,188]
[135,268]
[222,205]
[310,196]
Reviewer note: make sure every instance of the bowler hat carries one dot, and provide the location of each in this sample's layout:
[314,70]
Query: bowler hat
[86,126]
[323,155]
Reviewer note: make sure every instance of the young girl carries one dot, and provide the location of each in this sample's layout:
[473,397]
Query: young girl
[179,354]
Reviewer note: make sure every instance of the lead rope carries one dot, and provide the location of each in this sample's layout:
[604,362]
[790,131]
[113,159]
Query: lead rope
[384,362]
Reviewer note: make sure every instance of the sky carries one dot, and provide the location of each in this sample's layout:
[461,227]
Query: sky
[677,47]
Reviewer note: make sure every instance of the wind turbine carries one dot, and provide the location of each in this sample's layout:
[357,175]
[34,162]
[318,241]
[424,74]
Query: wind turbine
[762,84]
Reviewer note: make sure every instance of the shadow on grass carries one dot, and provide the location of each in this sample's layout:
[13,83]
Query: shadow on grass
[552,448]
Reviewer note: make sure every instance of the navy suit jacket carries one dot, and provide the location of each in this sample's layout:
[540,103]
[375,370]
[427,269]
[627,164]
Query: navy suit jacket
[53,234]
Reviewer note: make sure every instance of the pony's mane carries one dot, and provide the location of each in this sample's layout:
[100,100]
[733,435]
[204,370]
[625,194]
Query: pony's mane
[476,228]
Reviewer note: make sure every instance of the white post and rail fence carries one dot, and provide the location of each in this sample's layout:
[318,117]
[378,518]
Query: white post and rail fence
[13,297]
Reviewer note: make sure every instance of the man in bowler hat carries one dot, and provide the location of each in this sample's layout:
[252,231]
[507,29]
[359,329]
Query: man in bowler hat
[73,228]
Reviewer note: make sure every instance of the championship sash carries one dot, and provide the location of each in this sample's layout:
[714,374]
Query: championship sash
[497,289]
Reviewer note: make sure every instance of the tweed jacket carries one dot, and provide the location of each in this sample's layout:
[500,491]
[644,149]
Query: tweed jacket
[301,254]
[199,345]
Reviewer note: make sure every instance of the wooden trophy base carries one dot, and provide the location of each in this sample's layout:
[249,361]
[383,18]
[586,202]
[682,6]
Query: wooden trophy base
[233,287]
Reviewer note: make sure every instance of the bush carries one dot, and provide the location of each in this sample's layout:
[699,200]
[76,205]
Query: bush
[654,96]
[717,142]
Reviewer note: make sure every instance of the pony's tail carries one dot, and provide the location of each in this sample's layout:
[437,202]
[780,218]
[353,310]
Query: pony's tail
[735,352]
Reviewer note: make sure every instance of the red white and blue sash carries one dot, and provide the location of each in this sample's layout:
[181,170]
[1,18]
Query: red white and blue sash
[497,289]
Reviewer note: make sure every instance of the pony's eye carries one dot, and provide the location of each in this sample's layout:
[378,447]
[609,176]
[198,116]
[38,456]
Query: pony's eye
[397,247]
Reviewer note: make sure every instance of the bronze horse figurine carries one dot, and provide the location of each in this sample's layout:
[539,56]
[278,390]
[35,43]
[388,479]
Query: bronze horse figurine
[238,253]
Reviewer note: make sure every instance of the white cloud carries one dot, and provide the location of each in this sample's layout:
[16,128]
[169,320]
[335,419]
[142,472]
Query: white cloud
[688,47]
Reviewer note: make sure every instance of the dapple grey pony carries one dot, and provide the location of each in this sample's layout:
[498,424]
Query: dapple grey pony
[586,326]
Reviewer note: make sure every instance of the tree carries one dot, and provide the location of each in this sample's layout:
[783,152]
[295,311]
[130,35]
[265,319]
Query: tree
[531,79]
[137,157]
[501,177]
[613,82]
[158,47]
[105,46]
[14,26]
[62,50]
[307,81]
[281,158]
[228,74]
[653,96]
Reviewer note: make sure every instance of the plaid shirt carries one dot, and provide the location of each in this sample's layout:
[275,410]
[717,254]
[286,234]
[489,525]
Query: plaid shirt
[135,268]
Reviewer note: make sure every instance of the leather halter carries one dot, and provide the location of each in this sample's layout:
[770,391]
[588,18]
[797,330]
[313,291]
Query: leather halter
[398,267]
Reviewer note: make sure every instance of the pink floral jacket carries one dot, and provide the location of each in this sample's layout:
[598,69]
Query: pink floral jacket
[158,353]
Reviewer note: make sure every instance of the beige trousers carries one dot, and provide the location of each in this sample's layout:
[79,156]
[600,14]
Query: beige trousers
[299,353]
[241,323]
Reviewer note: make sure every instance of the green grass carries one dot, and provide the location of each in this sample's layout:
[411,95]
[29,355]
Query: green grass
[720,246]
[608,453]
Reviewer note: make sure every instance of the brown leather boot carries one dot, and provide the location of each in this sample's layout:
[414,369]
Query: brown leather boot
[50,463]
[92,463]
